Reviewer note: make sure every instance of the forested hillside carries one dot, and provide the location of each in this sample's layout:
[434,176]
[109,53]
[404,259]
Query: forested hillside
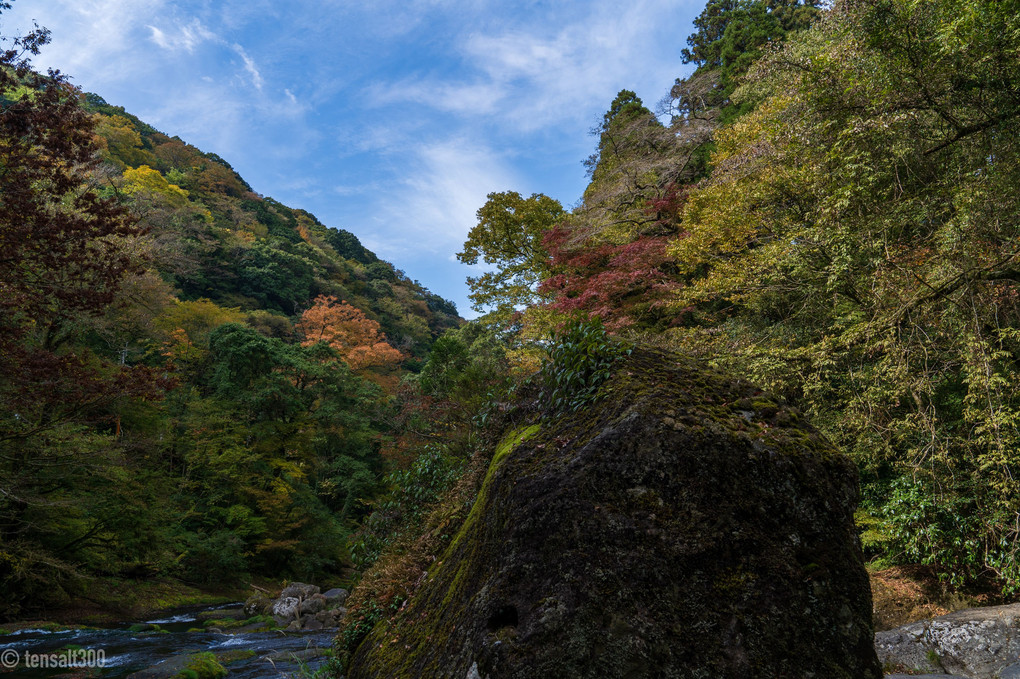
[828,206]
[197,381]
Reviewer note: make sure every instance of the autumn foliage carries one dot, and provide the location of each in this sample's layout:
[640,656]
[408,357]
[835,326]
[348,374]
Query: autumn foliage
[620,284]
[357,339]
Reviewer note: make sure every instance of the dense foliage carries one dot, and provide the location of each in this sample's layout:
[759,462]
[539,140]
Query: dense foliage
[196,381]
[856,247]
[831,209]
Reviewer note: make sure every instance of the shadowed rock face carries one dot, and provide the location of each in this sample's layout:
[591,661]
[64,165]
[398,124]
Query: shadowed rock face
[685,526]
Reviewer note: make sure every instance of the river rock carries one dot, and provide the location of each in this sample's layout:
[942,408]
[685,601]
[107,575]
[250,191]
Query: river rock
[336,596]
[258,604]
[286,608]
[302,655]
[313,604]
[925,676]
[980,643]
[687,525]
[299,590]
[221,614]
[177,666]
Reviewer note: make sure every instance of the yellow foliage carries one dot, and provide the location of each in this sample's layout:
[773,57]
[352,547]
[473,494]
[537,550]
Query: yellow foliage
[121,144]
[185,327]
[147,180]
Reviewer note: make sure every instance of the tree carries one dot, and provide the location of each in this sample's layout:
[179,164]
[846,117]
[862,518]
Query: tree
[856,247]
[638,164]
[120,142]
[62,260]
[278,454]
[346,329]
[731,35]
[184,328]
[509,235]
[145,180]
[621,285]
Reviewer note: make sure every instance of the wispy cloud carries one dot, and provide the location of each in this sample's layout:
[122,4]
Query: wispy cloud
[183,37]
[249,66]
[530,77]
[86,36]
[477,98]
[431,209]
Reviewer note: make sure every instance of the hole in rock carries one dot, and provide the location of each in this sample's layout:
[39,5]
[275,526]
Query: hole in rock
[505,616]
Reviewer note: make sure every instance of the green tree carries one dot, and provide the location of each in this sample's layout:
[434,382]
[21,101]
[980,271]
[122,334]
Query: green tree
[856,247]
[279,457]
[509,235]
[731,35]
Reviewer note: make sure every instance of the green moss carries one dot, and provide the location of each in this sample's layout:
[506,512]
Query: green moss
[228,657]
[223,622]
[509,442]
[203,666]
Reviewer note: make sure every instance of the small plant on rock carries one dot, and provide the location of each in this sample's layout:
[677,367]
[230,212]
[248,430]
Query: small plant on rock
[580,361]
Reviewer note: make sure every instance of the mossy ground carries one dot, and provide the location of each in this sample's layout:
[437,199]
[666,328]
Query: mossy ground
[202,666]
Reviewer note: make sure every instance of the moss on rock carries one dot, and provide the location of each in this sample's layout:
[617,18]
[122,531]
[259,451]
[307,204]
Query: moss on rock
[687,525]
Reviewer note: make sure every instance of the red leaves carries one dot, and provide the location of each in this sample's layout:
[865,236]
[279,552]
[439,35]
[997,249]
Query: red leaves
[619,284]
[60,256]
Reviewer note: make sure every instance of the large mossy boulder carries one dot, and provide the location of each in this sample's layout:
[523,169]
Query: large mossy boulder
[686,525]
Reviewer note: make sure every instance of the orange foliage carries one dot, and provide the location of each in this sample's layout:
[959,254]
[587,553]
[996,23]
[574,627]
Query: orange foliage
[345,328]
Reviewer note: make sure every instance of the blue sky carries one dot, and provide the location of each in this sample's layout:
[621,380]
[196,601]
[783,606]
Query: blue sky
[392,119]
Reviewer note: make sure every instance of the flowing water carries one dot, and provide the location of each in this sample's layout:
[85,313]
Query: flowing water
[26,652]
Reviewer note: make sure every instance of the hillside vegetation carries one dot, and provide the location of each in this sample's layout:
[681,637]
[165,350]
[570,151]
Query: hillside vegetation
[827,206]
[200,382]
[197,381]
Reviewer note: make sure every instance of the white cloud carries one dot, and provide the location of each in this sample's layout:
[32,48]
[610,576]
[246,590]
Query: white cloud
[479,98]
[186,37]
[431,210]
[87,35]
[530,77]
[249,65]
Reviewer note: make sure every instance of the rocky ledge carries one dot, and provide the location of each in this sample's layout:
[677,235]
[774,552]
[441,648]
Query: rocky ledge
[300,607]
[975,643]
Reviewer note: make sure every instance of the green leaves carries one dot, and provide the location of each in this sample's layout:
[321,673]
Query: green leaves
[855,246]
[509,234]
[581,359]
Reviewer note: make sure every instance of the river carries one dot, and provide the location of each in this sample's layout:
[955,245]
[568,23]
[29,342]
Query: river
[25,653]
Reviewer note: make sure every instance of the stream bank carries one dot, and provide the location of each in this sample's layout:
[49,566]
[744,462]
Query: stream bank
[128,649]
[264,636]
